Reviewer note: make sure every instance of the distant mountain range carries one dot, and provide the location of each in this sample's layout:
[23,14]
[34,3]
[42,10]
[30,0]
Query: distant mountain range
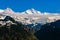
[31,17]
[29,11]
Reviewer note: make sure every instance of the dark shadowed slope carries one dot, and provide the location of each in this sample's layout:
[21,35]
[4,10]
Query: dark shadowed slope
[15,31]
[49,31]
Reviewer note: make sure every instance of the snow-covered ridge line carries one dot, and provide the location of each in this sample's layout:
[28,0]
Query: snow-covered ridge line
[29,11]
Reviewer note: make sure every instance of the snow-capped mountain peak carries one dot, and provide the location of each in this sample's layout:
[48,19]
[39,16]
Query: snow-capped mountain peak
[8,10]
[31,11]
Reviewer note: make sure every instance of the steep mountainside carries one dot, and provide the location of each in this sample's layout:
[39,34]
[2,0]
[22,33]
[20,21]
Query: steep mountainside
[49,31]
[13,30]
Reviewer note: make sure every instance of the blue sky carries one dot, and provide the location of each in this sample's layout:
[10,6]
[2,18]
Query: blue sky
[22,5]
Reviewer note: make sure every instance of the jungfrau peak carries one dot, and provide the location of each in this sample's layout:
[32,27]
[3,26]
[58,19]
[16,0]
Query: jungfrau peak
[28,12]
[31,11]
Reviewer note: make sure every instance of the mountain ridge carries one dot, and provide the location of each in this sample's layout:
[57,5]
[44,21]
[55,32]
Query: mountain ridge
[29,11]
